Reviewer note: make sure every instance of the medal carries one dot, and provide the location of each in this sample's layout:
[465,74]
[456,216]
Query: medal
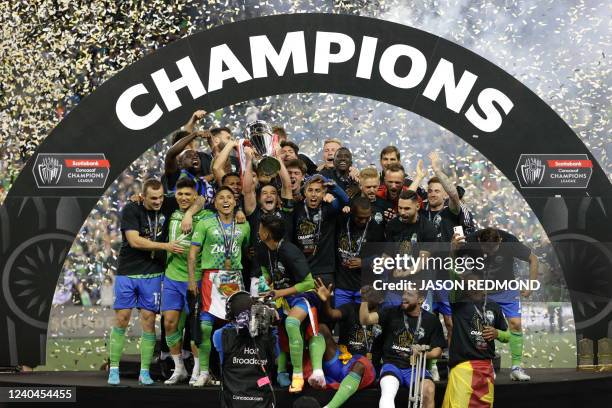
[228,243]
[153,231]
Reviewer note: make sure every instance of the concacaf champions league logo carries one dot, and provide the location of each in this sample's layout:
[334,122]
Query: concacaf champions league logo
[533,171]
[50,170]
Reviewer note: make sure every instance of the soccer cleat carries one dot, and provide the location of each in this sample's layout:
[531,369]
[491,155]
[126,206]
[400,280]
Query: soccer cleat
[195,373]
[203,379]
[179,375]
[297,384]
[145,378]
[317,379]
[283,379]
[518,374]
[435,375]
[113,376]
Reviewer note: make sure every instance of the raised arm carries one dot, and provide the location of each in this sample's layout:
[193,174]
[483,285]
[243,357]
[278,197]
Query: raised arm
[248,184]
[221,159]
[324,293]
[286,191]
[454,203]
[195,117]
[365,316]
[170,164]
[418,177]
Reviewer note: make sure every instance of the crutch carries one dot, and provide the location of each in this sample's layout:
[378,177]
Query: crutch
[418,365]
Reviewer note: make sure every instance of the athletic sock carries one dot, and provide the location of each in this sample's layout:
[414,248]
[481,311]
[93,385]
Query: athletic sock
[173,339]
[431,363]
[348,387]
[316,348]
[181,322]
[281,362]
[516,348]
[147,347]
[196,367]
[178,362]
[117,339]
[296,344]
[204,349]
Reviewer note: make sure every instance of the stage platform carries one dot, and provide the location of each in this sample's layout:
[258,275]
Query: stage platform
[555,388]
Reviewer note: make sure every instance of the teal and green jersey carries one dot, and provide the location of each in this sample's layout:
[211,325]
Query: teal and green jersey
[209,236]
[176,264]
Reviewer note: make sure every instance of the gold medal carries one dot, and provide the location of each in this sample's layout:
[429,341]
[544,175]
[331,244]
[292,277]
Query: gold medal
[228,264]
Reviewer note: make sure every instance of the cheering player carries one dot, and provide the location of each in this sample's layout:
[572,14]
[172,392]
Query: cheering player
[404,327]
[477,322]
[221,241]
[347,367]
[174,305]
[315,227]
[499,250]
[287,273]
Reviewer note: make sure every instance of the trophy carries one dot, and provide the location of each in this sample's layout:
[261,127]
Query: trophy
[259,136]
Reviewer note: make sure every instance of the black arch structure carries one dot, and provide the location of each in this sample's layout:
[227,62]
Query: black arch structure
[38,225]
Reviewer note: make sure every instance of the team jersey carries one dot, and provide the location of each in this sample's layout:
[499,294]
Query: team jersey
[399,332]
[357,338]
[209,236]
[176,266]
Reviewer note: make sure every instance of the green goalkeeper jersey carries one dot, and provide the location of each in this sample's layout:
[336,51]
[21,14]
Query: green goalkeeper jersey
[208,234]
[176,265]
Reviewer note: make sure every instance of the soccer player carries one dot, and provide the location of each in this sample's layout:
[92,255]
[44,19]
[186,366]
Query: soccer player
[410,228]
[330,146]
[477,322]
[266,200]
[297,172]
[394,184]
[368,184]
[403,327]
[289,151]
[500,249]
[343,173]
[287,273]
[138,282]
[174,304]
[347,366]
[184,139]
[444,206]
[353,231]
[221,241]
[281,134]
[315,226]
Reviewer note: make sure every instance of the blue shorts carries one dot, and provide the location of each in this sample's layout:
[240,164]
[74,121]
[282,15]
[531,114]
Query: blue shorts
[344,296]
[299,300]
[402,374]
[442,307]
[142,293]
[437,301]
[174,295]
[335,371]
[509,301]
[207,317]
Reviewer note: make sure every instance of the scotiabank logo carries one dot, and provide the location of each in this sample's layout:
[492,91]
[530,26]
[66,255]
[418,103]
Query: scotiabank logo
[71,170]
[554,170]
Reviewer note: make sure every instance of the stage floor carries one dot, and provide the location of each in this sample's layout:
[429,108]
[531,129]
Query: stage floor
[555,388]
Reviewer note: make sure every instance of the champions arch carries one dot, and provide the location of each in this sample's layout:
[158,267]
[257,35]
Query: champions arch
[375,59]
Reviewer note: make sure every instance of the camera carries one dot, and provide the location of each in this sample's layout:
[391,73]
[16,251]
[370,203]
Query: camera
[263,316]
